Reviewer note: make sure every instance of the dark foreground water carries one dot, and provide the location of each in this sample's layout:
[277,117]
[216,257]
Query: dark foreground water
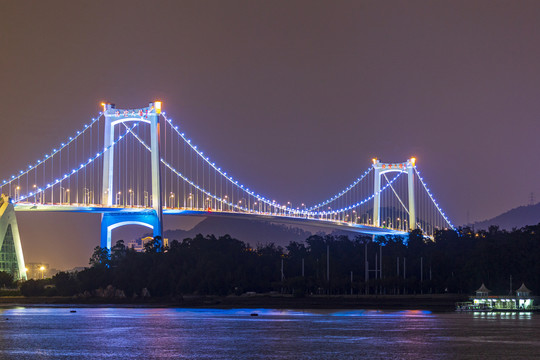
[139,333]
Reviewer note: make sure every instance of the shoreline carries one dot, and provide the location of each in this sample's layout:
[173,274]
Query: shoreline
[431,302]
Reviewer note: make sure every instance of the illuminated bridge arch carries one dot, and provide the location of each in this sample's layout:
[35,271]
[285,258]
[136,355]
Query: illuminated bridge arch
[113,220]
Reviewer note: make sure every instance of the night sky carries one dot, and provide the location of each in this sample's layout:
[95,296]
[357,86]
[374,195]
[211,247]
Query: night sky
[293,98]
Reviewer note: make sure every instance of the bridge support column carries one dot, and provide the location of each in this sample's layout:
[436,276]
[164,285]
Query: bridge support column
[410,183]
[113,220]
[377,195]
[108,156]
[155,146]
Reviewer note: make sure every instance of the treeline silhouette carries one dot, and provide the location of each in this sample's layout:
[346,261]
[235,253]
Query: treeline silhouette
[454,262]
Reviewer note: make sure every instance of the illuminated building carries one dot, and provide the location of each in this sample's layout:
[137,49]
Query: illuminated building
[11,255]
[521,301]
[138,244]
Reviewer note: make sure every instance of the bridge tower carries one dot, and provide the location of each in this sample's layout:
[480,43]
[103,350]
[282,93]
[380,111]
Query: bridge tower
[383,168]
[152,218]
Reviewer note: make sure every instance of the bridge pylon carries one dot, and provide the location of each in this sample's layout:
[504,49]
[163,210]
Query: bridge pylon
[383,168]
[113,117]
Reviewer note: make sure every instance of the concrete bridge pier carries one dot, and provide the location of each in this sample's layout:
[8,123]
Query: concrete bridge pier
[113,220]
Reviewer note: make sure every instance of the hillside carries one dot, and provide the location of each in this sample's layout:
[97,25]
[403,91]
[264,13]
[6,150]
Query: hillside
[249,231]
[515,218]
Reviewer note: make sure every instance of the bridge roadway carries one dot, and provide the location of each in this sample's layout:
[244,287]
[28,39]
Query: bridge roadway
[284,219]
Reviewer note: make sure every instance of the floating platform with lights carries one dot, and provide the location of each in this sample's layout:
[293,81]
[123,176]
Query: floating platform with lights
[483,302]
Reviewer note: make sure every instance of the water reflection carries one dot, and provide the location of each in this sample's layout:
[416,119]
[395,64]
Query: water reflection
[129,333]
[503,315]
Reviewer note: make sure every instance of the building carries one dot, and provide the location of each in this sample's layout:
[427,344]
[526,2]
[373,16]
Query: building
[11,255]
[138,244]
[521,301]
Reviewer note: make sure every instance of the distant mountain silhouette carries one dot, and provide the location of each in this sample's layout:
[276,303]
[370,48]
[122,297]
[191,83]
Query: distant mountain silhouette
[253,232]
[515,218]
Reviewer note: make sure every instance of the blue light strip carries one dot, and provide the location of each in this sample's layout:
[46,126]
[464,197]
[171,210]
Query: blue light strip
[260,198]
[332,212]
[76,170]
[54,152]
[264,200]
[433,200]
[224,174]
[186,179]
[178,173]
[347,189]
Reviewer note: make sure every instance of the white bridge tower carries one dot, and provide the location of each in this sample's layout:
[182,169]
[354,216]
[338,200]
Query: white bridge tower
[383,168]
[154,217]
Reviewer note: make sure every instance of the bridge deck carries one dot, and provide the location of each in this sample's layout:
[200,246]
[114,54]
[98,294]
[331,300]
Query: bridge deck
[286,219]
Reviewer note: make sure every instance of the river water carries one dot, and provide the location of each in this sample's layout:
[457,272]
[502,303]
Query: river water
[167,333]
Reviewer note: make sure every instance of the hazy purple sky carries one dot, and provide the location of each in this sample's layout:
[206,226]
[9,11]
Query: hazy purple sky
[291,97]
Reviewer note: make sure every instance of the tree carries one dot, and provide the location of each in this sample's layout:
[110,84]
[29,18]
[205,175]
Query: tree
[33,287]
[66,283]
[100,258]
[154,246]
[118,251]
[416,242]
[6,279]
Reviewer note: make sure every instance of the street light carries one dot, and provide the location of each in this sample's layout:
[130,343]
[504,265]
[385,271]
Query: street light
[42,268]
[146,199]
[86,196]
[171,200]
[245,202]
[41,196]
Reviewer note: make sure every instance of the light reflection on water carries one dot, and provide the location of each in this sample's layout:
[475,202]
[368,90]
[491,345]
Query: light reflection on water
[137,333]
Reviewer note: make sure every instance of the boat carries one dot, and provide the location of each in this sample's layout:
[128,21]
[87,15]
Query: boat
[469,306]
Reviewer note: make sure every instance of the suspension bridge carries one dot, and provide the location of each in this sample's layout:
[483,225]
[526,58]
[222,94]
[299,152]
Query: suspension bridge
[134,165]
